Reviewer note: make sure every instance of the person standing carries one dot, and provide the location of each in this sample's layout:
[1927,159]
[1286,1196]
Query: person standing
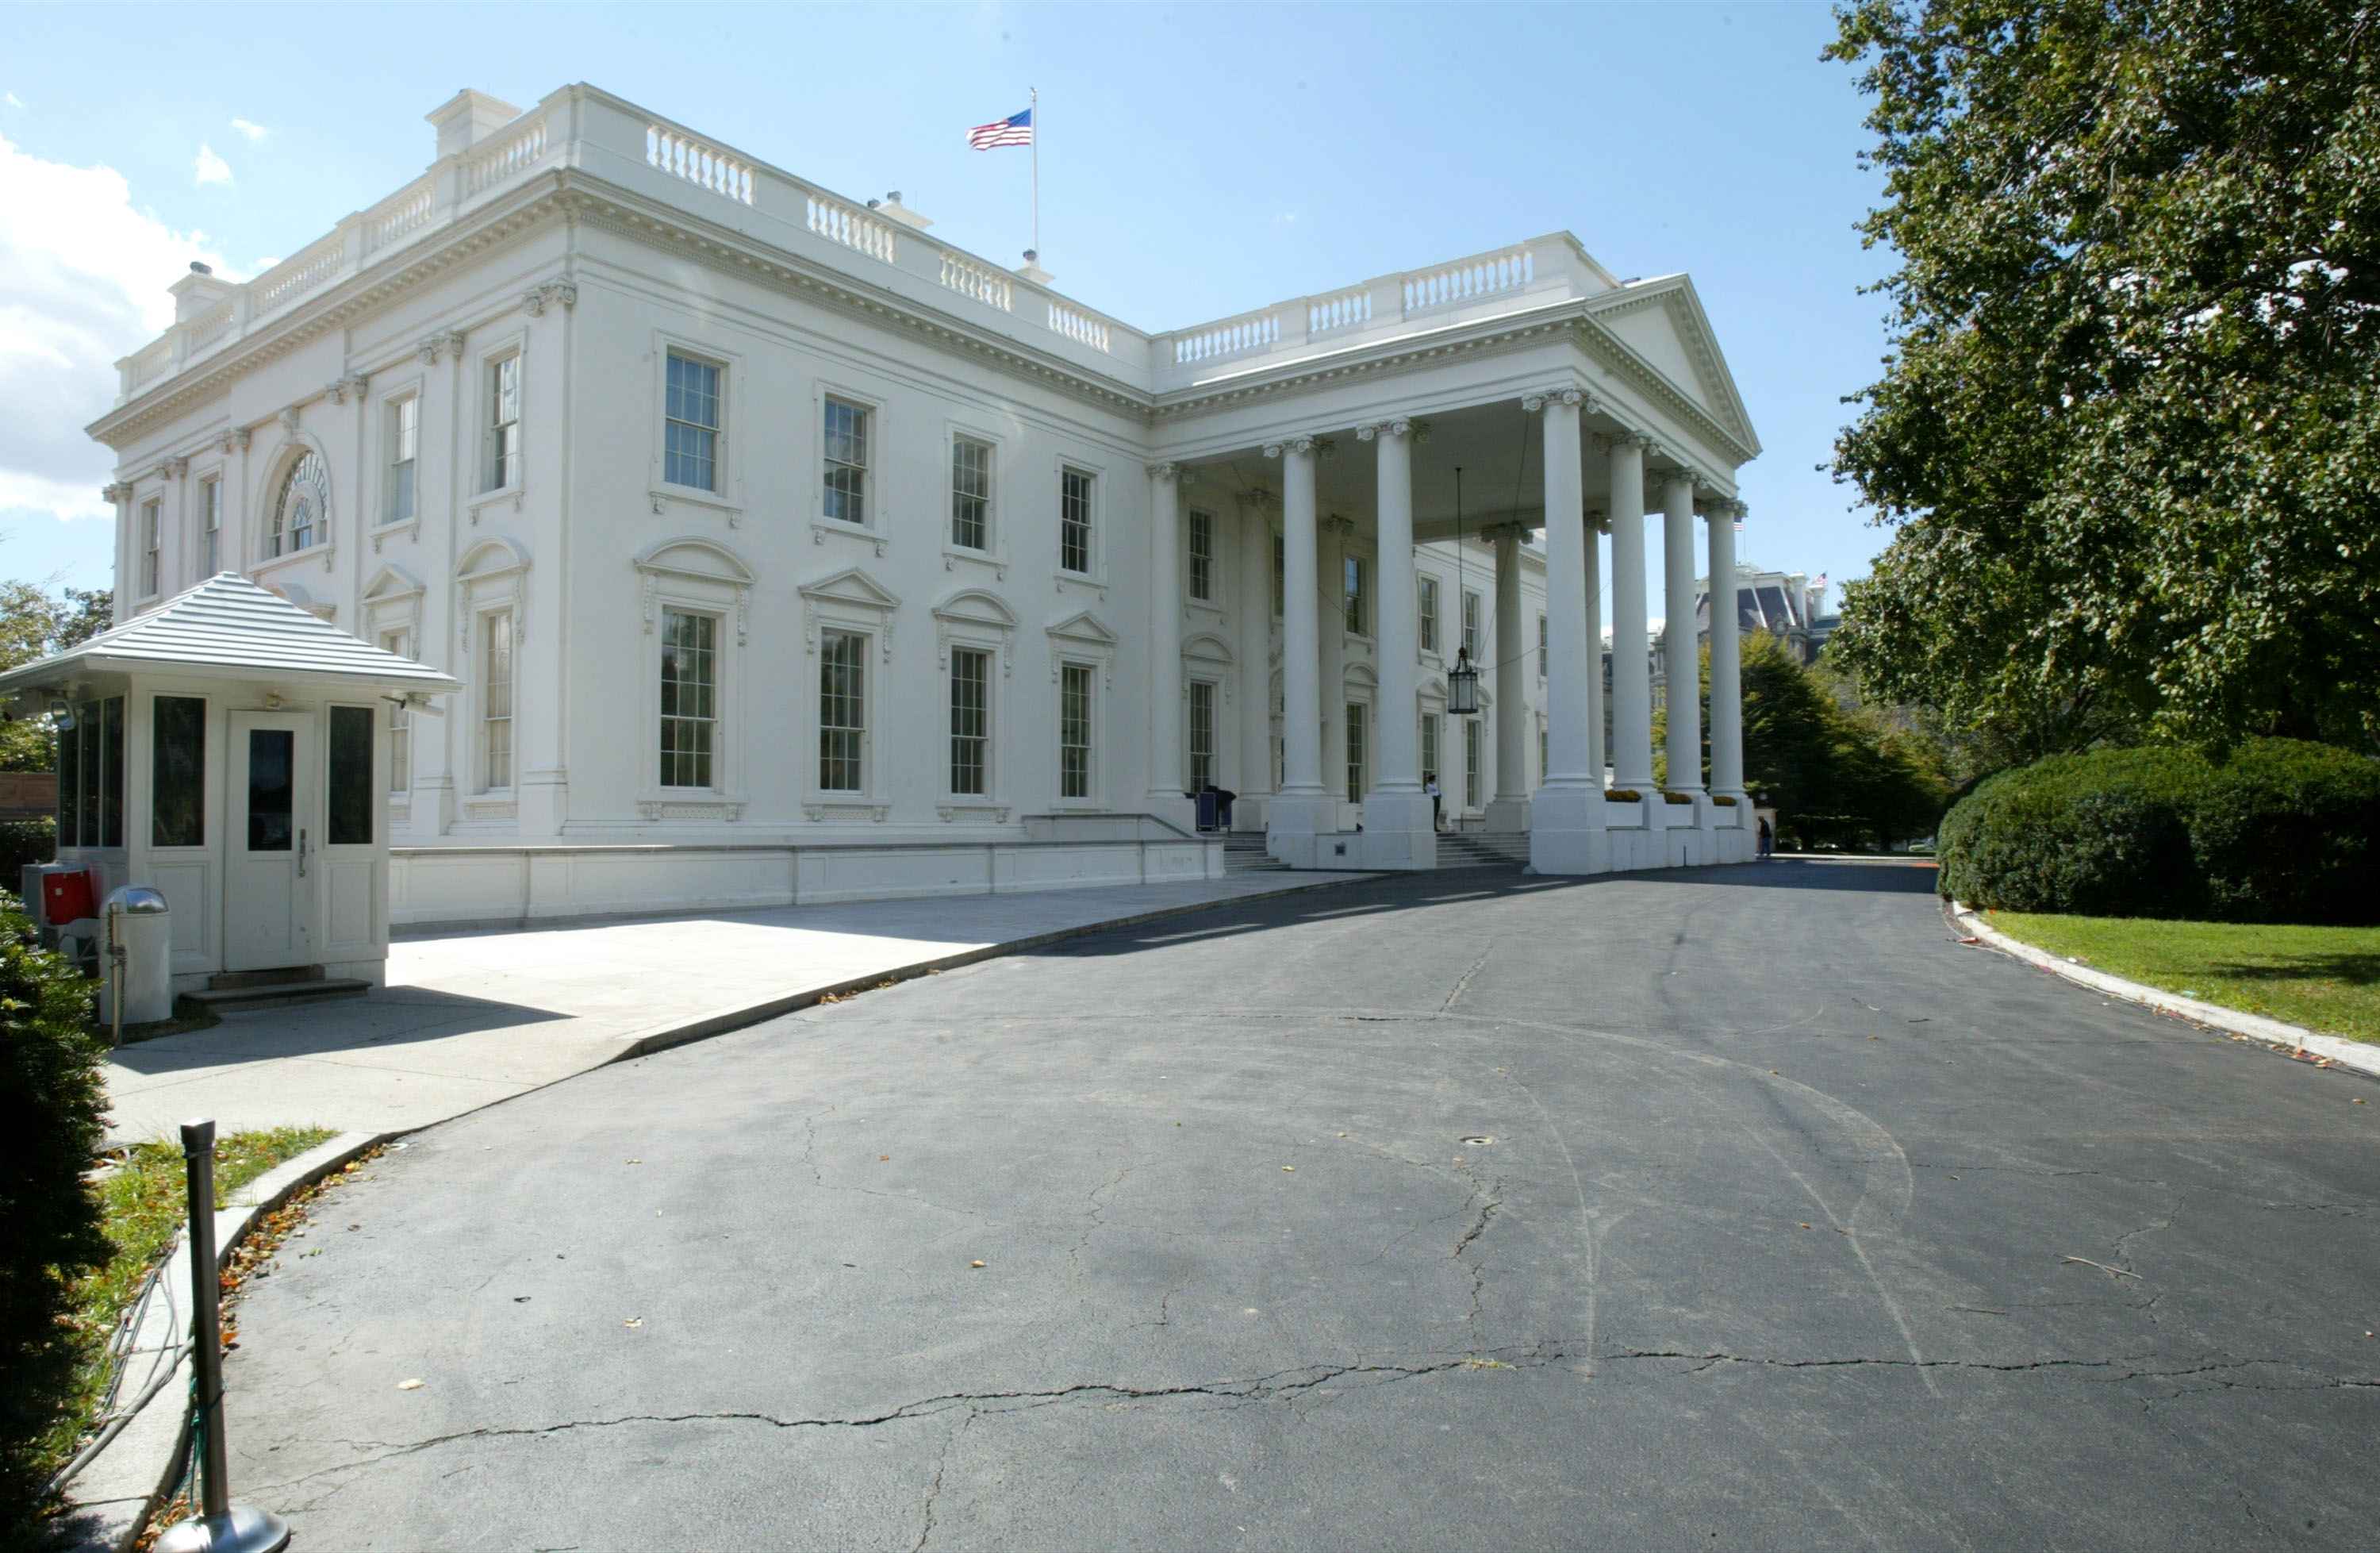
[1430,786]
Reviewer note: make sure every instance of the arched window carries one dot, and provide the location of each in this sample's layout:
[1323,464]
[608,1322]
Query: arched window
[301,513]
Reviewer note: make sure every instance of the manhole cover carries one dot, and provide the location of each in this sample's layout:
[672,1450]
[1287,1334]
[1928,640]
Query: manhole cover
[1477,1142]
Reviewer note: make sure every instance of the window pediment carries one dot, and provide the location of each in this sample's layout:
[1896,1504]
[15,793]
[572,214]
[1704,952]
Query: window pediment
[491,556]
[849,597]
[692,556]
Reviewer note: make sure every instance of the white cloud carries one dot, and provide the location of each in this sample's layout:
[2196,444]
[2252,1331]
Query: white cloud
[254,132]
[12,101]
[82,281]
[212,168]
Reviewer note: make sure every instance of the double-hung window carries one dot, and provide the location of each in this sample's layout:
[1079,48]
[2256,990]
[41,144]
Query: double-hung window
[1354,591]
[1429,614]
[1355,711]
[1075,730]
[970,494]
[1074,521]
[404,455]
[1471,624]
[970,719]
[1280,576]
[1545,650]
[1202,556]
[400,720]
[210,527]
[844,499]
[152,546]
[843,711]
[689,698]
[1202,735]
[503,422]
[1471,763]
[496,700]
[1429,726]
[691,429]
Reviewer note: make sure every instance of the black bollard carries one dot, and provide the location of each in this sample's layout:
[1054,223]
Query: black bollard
[220,1526]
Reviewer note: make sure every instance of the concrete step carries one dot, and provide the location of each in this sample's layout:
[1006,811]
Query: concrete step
[1481,849]
[277,994]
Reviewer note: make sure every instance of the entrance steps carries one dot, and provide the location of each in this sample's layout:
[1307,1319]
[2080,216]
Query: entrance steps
[1482,848]
[1243,853]
[233,990]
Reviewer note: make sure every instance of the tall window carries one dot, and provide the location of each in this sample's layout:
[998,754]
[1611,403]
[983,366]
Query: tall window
[690,426]
[970,494]
[1202,735]
[152,546]
[503,423]
[349,788]
[689,698]
[1471,624]
[1544,648]
[1074,521]
[404,453]
[846,498]
[301,511]
[842,710]
[91,775]
[496,698]
[1073,731]
[1353,589]
[1429,614]
[1429,746]
[970,718]
[176,780]
[1355,710]
[1280,576]
[1543,751]
[400,720]
[210,527]
[1202,556]
[1471,763]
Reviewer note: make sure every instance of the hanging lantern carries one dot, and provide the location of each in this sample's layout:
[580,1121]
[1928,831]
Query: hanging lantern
[1463,687]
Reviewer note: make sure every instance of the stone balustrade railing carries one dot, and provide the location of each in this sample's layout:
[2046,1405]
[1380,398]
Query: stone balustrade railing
[582,129]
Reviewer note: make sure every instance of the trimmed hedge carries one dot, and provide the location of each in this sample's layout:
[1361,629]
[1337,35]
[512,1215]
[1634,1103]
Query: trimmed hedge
[49,1133]
[24,842]
[2278,831]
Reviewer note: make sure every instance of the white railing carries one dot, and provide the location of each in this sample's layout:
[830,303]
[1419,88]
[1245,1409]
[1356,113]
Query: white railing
[984,285]
[1257,331]
[707,166]
[142,370]
[493,167]
[292,278]
[1469,280]
[407,212]
[1345,310]
[1080,327]
[207,328]
[837,221]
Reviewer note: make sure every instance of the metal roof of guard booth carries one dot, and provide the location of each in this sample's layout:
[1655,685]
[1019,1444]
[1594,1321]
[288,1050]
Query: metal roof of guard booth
[227,626]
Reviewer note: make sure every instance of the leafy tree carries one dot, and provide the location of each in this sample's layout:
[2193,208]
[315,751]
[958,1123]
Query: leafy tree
[32,625]
[2128,430]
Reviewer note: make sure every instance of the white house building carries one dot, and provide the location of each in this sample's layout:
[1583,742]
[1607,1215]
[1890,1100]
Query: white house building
[783,550]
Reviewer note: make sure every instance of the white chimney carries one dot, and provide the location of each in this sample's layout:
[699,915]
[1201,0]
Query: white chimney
[467,118]
[890,205]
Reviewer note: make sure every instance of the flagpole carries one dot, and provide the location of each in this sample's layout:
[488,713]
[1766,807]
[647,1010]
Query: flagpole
[1036,105]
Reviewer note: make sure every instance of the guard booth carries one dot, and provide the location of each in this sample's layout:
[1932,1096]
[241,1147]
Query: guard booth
[232,750]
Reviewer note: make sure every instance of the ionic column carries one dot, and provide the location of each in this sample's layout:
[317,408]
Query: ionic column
[1566,831]
[1302,808]
[1256,655]
[1397,806]
[1165,798]
[1596,521]
[1727,664]
[1509,809]
[1632,685]
[1681,659]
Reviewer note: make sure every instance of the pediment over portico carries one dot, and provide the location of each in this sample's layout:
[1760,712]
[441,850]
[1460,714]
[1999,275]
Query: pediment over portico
[1662,323]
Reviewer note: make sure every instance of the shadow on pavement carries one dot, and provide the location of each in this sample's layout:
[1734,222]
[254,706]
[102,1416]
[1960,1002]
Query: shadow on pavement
[381,1018]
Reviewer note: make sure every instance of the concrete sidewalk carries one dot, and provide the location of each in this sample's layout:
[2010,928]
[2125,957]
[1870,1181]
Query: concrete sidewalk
[468,1019]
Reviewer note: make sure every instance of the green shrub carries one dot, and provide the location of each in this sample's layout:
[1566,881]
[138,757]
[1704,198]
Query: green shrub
[49,1133]
[2278,831]
[24,842]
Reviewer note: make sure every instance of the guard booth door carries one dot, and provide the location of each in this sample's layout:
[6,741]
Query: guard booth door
[271,858]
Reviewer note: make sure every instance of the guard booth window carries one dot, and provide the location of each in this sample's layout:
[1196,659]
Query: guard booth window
[91,775]
[351,776]
[177,803]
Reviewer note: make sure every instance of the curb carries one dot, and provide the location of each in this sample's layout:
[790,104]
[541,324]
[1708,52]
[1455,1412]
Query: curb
[111,1496]
[723,1022]
[2332,1050]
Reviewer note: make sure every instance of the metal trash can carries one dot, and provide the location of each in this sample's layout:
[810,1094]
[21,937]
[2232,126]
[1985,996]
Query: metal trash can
[135,918]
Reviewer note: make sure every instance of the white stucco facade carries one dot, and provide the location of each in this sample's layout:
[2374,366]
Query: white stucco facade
[969,508]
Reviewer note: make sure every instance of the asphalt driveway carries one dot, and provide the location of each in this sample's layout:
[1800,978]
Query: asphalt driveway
[1736,1209]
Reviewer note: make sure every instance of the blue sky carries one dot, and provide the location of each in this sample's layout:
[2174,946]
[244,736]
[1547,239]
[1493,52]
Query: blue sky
[1197,161]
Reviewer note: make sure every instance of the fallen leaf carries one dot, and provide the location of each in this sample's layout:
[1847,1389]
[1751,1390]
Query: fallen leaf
[883,1156]
[520,1299]
[975,1263]
[1805,1227]
[634,1321]
[409,1386]
[1289,1166]
[635,1162]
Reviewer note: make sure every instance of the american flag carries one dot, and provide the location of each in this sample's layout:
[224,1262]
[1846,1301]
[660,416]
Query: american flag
[1017,129]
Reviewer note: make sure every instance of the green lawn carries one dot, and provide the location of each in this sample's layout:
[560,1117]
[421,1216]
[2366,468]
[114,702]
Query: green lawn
[144,1202]
[2325,978]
